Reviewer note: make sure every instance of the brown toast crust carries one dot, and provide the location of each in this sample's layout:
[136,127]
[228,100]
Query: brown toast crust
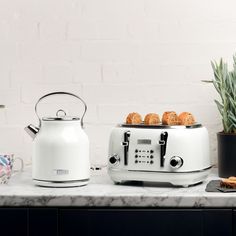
[186,118]
[229,182]
[152,119]
[134,118]
[170,118]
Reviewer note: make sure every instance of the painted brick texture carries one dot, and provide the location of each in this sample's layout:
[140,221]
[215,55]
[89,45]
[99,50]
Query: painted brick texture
[119,55]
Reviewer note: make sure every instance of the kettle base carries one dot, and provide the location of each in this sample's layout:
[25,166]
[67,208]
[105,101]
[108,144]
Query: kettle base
[61,184]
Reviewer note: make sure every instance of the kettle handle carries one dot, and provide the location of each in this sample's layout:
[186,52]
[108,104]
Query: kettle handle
[65,93]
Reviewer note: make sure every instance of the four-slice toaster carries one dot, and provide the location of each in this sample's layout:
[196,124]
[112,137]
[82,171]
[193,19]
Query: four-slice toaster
[158,153]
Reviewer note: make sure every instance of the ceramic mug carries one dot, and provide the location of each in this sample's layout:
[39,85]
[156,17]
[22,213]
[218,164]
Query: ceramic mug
[6,167]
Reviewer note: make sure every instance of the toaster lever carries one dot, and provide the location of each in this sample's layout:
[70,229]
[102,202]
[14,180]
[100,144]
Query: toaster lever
[126,146]
[163,144]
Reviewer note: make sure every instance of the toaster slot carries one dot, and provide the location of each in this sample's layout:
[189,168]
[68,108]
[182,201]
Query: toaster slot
[163,144]
[126,147]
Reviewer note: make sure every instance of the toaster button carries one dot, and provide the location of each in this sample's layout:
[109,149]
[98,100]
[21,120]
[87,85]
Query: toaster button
[151,151]
[151,156]
[151,162]
[136,150]
[136,161]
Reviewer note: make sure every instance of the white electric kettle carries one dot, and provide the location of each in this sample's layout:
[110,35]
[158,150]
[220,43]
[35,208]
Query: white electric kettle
[60,149]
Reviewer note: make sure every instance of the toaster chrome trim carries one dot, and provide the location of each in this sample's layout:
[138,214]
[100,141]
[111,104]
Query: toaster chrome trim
[160,126]
[174,172]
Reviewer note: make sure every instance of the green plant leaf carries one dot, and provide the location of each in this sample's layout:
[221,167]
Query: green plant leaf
[225,84]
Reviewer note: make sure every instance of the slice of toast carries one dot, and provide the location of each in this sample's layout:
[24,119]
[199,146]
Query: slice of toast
[229,182]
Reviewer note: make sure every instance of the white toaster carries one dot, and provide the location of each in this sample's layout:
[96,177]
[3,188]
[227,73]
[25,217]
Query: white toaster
[178,155]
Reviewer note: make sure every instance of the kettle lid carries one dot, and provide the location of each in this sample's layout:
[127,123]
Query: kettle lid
[61,115]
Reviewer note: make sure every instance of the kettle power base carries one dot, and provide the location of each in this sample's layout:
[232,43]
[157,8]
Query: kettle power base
[61,184]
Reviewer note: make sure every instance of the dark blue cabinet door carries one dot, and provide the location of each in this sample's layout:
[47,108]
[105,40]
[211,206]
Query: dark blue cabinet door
[73,222]
[217,222]
[234,222]
[13,221]
[43,222]
[145,222]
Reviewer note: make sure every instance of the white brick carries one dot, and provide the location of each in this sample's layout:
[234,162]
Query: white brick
[199,72]
[132,73]
[113,9]
[184,53]
[147,73]
[118,73]
[134,94]
[186,74]
[11,139]
[109,51]
[31,94]
[21,115]
[23,30]
[87,72]
[91,116]
[2,116]
[111,29]
[53,9]
[57,74]
[174,74]
[99,139]
[52,29]
[9,96]
[9,54]
[49,52]
[197,31]
[82,28]
[186,9]
[144,30]
[86,28]
[25,73]
[4,77]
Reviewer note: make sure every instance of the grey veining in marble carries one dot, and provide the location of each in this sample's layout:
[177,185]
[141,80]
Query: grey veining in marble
[101,192]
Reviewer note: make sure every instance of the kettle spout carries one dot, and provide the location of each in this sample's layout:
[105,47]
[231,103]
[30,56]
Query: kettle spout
[32,130]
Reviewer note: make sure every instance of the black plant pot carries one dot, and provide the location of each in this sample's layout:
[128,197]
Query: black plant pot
[226,154]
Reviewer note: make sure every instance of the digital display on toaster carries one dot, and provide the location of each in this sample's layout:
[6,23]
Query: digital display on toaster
[144,141]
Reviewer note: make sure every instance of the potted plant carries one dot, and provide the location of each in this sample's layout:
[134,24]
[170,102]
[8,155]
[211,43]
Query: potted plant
[225,84]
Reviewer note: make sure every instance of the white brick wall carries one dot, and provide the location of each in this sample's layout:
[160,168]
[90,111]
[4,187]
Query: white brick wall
[119,55]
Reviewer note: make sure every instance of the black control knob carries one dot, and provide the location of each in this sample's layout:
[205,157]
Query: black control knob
[176,162]
[114,159]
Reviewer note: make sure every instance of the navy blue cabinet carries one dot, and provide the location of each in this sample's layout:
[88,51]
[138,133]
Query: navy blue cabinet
[73,222]
[217,222]
[145,222]
[151,222]
[13,221]
[43,222]
[117,222]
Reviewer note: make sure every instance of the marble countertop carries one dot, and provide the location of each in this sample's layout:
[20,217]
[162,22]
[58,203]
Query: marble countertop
[101,192]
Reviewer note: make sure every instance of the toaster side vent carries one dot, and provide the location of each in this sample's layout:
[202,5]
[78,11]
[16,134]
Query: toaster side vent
[126,146]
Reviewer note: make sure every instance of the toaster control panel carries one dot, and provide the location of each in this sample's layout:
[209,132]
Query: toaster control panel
[144,156]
